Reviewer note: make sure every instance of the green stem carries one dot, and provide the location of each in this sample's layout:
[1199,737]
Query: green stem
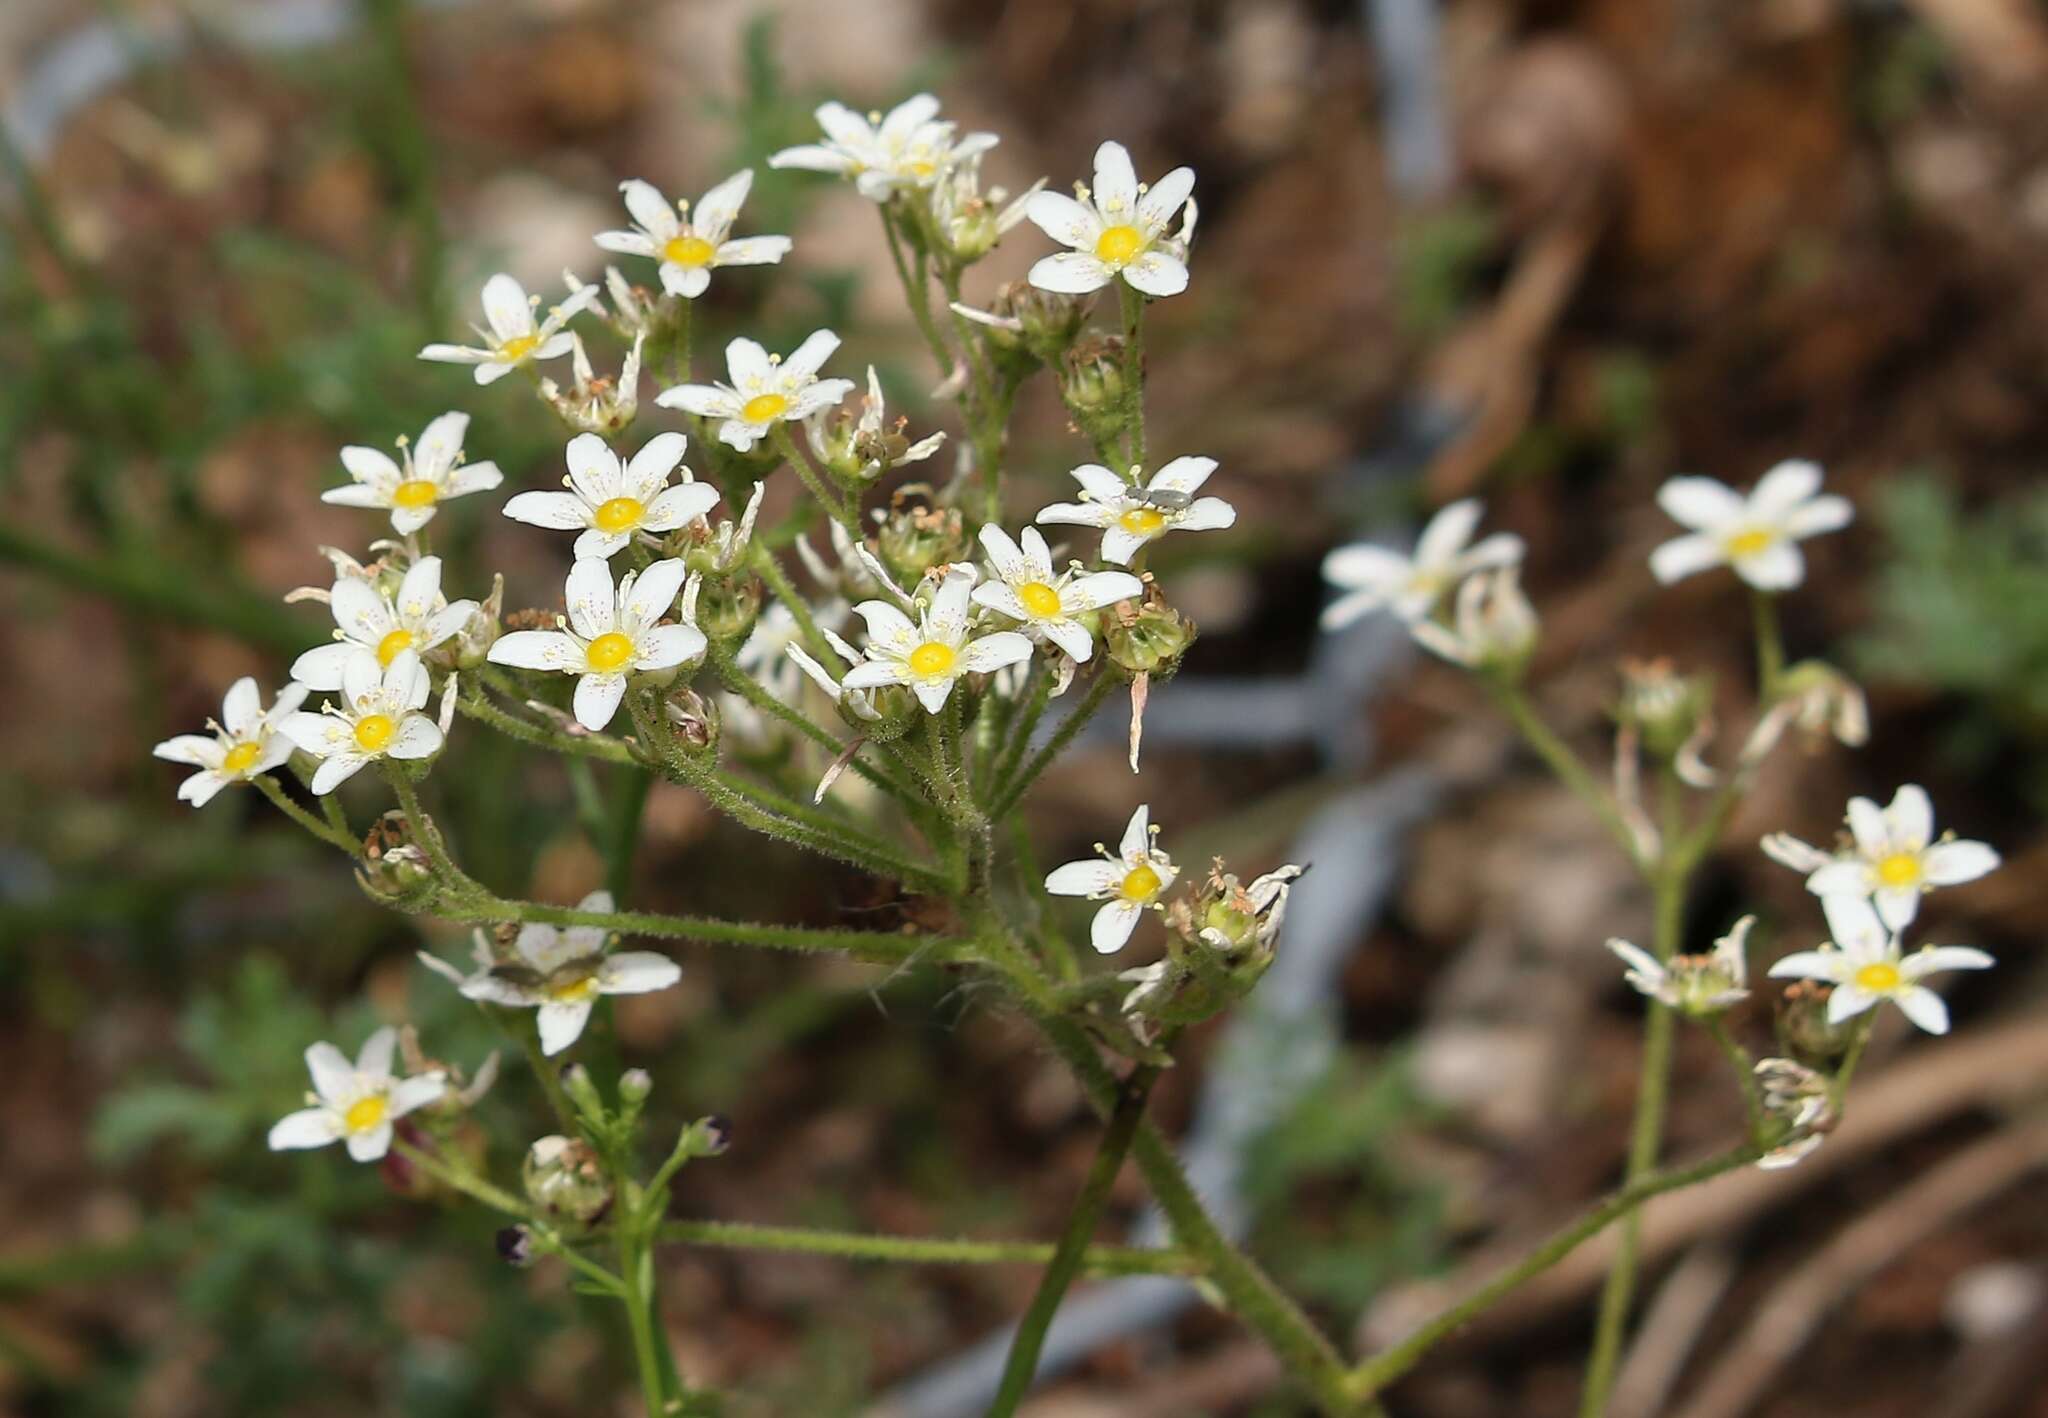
[1371,1377]
[1745,1073]
[1646,1137]
[1248,1290]
[1008,795]
[1847,1070]
[1132,302]
[636,1273]
[845,514]
[1039,694]
[1022,1365]
[921,1250]
[272,789]
[473,704]
[1565,764]
[1770,644]
[918,291]
[875,947]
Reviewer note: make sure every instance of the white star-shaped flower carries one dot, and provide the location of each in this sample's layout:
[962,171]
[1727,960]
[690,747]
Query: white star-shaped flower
[355,1102]
[416,617]
[1697,984]
[909,148]
[433,472]
[609,635]
[1131,882]
[378,717]
[1865,964]
[1757,535]
[1376,578]
[610,499]
[765,390]
[1132,515]
[511,336]
[244,743]
[933,652]
[1896,858]
[561,972]
[1025,589]
[689,244]
[1118,230]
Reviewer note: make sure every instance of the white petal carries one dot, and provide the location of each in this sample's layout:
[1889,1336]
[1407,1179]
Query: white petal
[1910,818]
[678,506]
[747,363]
[1896,907]
[1927,961]
[1208,514]
[1778,567]
[506,308]
[558,511]
[417,737]
[1840,879]
[1701,504]
[1830,965]
[637,972]
[1070,273]
[1165,198]
[1119,545]
[1784,488]
[1182,475]
[1111,929]
[656,461]
[374,1058]
[1951,863]
[1854,925]
[597,699]
[716,210]
[334,771]
[1136,843]
[329,1069]
[372,1145]
[810,356]
[454,354]
[1072,638]
[1093,877]
[887,626]
[1823,514]
[1924,1007]
[1867,823]
[626,243]
[1065,220]
[874,674]
[199,750]
[1004,555]
[538,650]
[1157,273]
[416,1092]
[703,400]
[812,157]
[1099,589]
[653,594]
[372,466]
[1848,1001]
[653,211]
[1686,556]
[753,251]
[1116,182]
[241,708]
[992,652]
[309,1127]
[592,603]
[932,693]
[1365,567]
[666,646]
[1079,514]
[561,1024]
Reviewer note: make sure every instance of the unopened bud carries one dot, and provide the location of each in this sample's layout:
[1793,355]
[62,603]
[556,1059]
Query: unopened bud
[1803,1026]
[515,1246]
[582,1091]
[1092,382]
[1147,638]
[565,1178]
[635,1084]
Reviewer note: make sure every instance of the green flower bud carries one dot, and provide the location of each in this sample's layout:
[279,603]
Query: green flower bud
[1051,321]
[727,609]
[1092,382]
[565,1179]
[918,535]
[1149,640]
[1803,1025]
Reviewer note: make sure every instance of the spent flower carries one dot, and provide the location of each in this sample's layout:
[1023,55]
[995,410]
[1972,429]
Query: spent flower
[1697,985]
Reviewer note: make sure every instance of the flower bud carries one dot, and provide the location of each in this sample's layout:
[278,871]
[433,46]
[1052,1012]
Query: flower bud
[1092,383]
[635,1086]
[1803,1026]
[696,717]
[1663,706]
[1149,639]
[565,1178]
[1051,321]
[918,535]
[394,868]
[727,609]
[582,1091]
[515,1246]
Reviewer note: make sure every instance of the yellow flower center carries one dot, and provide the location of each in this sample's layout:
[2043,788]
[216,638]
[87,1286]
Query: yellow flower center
[415,493]
[763,407]
[1749,543]
[241,758]
[1119,244]
[1040,599]
[365,1113]
[373,731]
[1139,884]
[1880,978]
[392,645]
[931,658]
[609,651]
[1899,869]
[688,251]
[518,348]
[620,514]
[1142,521]
[923,167]
[573,991]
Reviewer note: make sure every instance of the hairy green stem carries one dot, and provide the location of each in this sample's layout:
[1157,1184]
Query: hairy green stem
[874,947]
[1372,1376]
[1132,302]
[1008,794]
[1021,1367]
[838,508]
[272,789]
[1565,764]
[921,1250]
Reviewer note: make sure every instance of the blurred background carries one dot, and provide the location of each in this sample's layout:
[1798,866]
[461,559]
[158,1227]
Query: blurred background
[1545,251]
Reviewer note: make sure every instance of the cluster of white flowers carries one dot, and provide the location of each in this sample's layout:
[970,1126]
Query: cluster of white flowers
[398,640]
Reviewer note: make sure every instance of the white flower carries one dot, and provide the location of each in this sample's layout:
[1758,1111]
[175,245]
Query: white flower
[1757,535]
[1492,622]
[560,972]
[935,651]
[1025,589]
[609,499]
[765,390]
[245,742]
[1132,515]
[355,1102]
[1375,578]
[378,717]
[1865,965]
[513,336]
[433,472]
[1119,230]
[874,446]
[1896,857]
[1131,881]
[608,635]
[910,148]
[416,617]
[689,246]
[1696,984]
